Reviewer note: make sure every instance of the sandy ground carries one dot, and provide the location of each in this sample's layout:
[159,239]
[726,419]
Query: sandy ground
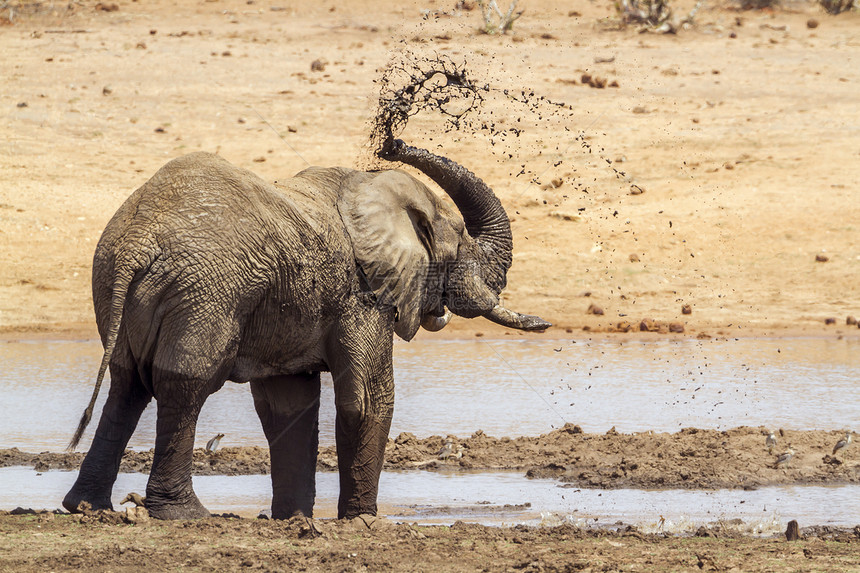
[743,133]
[747,147]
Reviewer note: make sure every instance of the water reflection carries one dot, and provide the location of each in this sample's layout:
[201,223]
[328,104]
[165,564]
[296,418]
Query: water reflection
[504,387]
[493,498]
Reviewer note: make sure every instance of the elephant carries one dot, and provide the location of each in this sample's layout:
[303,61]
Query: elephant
[207,273]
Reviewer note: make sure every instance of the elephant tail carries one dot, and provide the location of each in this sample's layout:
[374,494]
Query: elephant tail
[120,290]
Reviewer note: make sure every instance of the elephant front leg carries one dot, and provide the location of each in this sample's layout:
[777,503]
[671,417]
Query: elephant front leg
[288,407]
[361,440]
[364,399]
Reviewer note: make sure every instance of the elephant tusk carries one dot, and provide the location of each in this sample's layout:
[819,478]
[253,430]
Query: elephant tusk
[509,318]
[435,323]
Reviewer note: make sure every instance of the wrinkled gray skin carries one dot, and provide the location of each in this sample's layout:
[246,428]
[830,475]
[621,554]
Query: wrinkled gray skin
[207,274]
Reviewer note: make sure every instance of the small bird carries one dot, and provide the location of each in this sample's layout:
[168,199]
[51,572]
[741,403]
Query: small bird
[770,441]
[784,458]
[843,443]
[449,450]
[446,451]
[212,444]
[135,498]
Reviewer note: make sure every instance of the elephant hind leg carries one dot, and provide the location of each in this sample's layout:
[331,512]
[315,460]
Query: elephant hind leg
[288,407]
[126,401]
[169,492]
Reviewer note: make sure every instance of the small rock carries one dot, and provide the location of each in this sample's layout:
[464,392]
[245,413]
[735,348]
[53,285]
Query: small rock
[612,431]
[22,104]
[850,321]
[812,23]
[317,66]
[829,320]
[686,309]
[676,327]
[572,428]
[821,258]
[107,90]
[636,190]
[107,7]
[594,309]
[649,325]
[141,45]
[260,159]
[634,258]
[292,129]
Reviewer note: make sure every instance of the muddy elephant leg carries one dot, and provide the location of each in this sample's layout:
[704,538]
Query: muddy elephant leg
[125,403]
[169,493]
[364,400]
[288,407]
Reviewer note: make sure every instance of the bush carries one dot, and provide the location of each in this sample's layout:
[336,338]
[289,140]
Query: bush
[496,21]
[836,6]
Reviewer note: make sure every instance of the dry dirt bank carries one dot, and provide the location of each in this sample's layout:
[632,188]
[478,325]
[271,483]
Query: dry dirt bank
[691,458]
[742,132]
[103,541]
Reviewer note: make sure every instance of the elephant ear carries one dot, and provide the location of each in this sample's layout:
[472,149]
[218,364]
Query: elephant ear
[388,216]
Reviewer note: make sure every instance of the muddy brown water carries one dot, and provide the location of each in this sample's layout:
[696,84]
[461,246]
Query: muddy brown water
[503,387]
[496,498]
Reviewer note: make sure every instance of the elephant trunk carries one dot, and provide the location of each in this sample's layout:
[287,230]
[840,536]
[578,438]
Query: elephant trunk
[485,218]
[509,318]
[479,274]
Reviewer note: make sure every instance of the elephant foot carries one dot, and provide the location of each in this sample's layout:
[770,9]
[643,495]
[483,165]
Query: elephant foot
[73,500]
[189,509]
[289,513]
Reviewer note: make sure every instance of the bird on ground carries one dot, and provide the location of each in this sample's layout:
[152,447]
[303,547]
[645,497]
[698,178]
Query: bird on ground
[449,450]
[446,451]
[784,458]
[134,498]
[212,444]
[843,443]
[770,441]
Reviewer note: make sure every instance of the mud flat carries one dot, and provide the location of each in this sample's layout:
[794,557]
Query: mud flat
[105,540]
[689,459]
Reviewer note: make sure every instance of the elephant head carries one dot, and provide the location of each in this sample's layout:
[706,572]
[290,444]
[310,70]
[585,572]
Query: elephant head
[418,255]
